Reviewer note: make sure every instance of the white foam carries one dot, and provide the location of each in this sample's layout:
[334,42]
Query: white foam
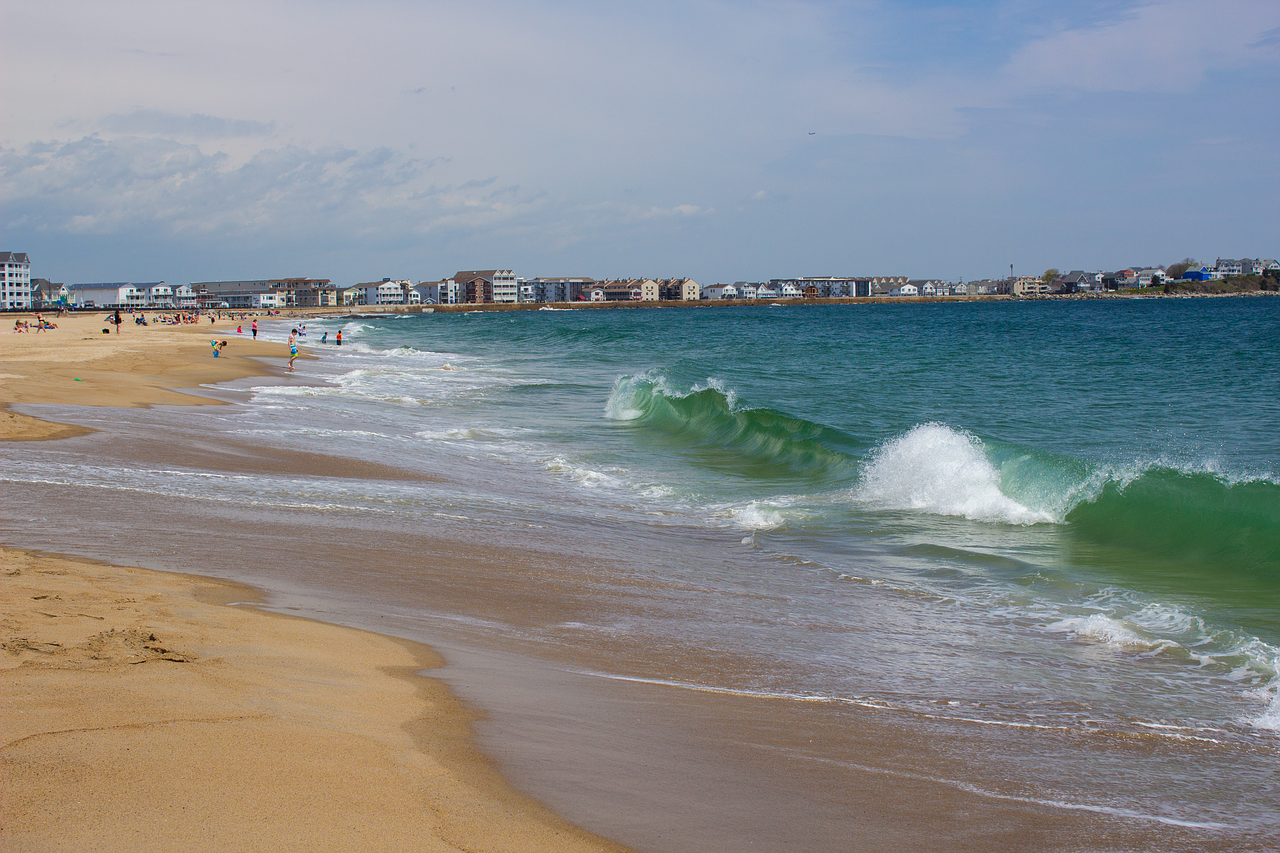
[583,476]
[756,515]
[937,469]
[1103,629]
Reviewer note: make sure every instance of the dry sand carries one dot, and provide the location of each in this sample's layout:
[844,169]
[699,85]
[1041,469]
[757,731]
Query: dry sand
[141,710]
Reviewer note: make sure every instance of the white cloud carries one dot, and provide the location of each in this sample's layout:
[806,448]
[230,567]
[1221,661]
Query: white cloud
[107,186]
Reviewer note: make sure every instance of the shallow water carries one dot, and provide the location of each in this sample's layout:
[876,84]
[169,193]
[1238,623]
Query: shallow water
[1042,539]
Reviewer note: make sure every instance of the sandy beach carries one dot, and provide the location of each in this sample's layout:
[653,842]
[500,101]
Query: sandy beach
[150,711]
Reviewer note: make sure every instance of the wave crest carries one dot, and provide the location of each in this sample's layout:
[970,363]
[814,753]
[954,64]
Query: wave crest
[708,419]
[941,470]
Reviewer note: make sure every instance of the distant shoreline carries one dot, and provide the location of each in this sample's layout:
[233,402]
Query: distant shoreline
[464,307]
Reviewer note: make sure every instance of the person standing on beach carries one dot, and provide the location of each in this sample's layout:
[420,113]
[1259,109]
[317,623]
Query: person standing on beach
[293,347]
[117,321]
[255,330]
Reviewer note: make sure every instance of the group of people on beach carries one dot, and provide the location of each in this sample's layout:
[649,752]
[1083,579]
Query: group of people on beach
[300,332]
[41,324]
[25,325]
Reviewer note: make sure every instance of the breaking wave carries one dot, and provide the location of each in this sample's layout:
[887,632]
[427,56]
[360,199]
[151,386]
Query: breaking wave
[710,420]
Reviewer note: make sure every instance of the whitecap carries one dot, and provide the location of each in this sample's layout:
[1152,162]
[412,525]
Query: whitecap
[937,469]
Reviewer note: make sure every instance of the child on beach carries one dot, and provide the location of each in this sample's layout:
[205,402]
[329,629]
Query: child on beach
[293,347]
[217,347]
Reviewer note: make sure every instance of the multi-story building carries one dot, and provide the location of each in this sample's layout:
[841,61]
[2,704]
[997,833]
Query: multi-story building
[121,294]
[15,281]
[385,292]
[679,289]
[561,288]
[1027,285]
[499,286]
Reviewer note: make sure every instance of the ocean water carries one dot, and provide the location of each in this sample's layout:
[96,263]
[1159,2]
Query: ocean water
[1052,527]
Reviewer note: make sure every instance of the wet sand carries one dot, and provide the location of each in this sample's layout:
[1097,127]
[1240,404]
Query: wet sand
[141,710]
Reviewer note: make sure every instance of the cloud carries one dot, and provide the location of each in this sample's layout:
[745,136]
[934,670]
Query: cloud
[194,126]
[1163,47]
[103,186]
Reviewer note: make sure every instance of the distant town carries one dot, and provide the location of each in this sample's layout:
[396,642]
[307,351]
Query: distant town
[20,292]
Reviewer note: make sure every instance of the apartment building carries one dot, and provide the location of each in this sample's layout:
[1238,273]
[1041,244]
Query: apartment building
[15,285]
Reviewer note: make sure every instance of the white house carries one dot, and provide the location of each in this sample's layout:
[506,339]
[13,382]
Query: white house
[764,291]
[791,291]
[270,301]
[1227,267]
[719,291]
[505,287]
[747,290]
[15,280]
[385,292]
[184,296]
[1150,276]
[907,289]
[118,294]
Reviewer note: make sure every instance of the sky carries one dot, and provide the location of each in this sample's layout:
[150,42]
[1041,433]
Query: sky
[724,141]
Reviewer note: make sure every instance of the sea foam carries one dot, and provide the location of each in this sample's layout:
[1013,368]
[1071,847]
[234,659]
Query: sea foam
[938,469]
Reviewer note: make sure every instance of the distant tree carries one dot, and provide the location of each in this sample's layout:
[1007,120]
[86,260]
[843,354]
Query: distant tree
[1049,275]
[1176,270]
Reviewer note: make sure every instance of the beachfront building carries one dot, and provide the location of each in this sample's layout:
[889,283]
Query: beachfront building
[484,286]
[747,289]
[120,294]
[1151,276]
[385,292]
[443,292]
[15,281]
[269,301]
[230,294]
[679,289]
[307,292]
[904,289]
[928,287]
[649,290]
[562,288]
[1229,266]
[824,286]
[1029,285]
[624,290]
[45,292]
[720,291]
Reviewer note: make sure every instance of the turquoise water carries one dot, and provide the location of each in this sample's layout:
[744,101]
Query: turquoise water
[1060,518]
[1109,466]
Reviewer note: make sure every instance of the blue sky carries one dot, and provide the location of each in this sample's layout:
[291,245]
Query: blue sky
[718,140]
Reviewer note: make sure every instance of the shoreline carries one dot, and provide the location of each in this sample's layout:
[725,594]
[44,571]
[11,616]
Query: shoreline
[634,755]
[373,311]
[139,698]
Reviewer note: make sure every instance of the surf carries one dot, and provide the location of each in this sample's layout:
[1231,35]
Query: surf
[709,421]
